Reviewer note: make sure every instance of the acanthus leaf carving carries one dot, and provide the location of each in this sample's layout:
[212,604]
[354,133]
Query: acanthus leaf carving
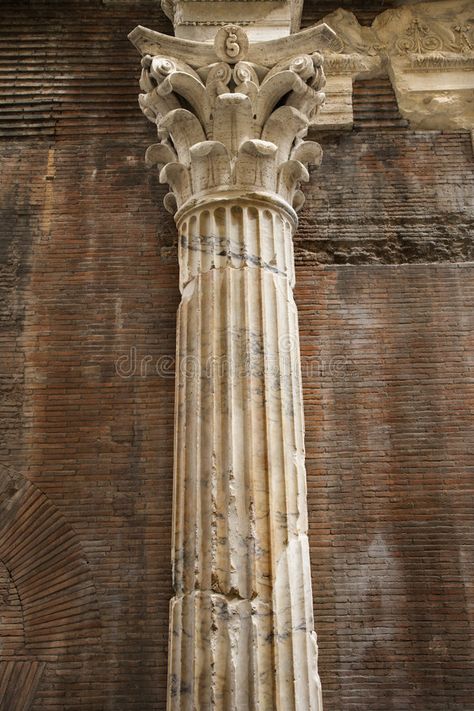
[307,152]
[210,165]
[169,201]
[256,164]
[285,125]
[290,175]
[184,130]
[298,200]
[235,123]
[233,120]
[177,176]
[159,154]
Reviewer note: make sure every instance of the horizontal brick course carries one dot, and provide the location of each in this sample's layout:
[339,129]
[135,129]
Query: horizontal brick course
[390,478]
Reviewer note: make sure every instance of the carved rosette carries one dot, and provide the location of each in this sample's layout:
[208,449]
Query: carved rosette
[232,125]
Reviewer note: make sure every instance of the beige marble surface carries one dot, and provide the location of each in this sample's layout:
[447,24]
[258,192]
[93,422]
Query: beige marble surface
[242,622]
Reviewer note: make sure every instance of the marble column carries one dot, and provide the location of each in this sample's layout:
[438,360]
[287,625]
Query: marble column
[231,119]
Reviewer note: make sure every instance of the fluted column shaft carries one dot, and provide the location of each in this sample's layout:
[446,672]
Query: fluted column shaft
[241,628]
[231,120]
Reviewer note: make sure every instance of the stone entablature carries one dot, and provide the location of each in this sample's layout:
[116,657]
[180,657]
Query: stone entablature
[262,19]
[427,50]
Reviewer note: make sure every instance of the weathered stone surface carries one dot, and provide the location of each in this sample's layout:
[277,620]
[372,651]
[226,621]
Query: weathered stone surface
[233,152]
[242,619]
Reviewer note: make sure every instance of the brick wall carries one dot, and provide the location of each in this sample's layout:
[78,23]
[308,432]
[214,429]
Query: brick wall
[88,298]
[391,196]
[389,396]
[87,287]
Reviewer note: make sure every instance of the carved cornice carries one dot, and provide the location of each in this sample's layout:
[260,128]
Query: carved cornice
[236,121]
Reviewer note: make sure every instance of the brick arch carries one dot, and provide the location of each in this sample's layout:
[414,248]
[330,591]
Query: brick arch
[11,614]
[19,674]
[19,681]
[53,585]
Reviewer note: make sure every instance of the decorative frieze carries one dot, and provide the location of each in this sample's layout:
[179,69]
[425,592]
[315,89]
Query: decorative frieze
[427,49]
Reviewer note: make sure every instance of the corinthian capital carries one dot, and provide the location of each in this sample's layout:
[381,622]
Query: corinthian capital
[232,116]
